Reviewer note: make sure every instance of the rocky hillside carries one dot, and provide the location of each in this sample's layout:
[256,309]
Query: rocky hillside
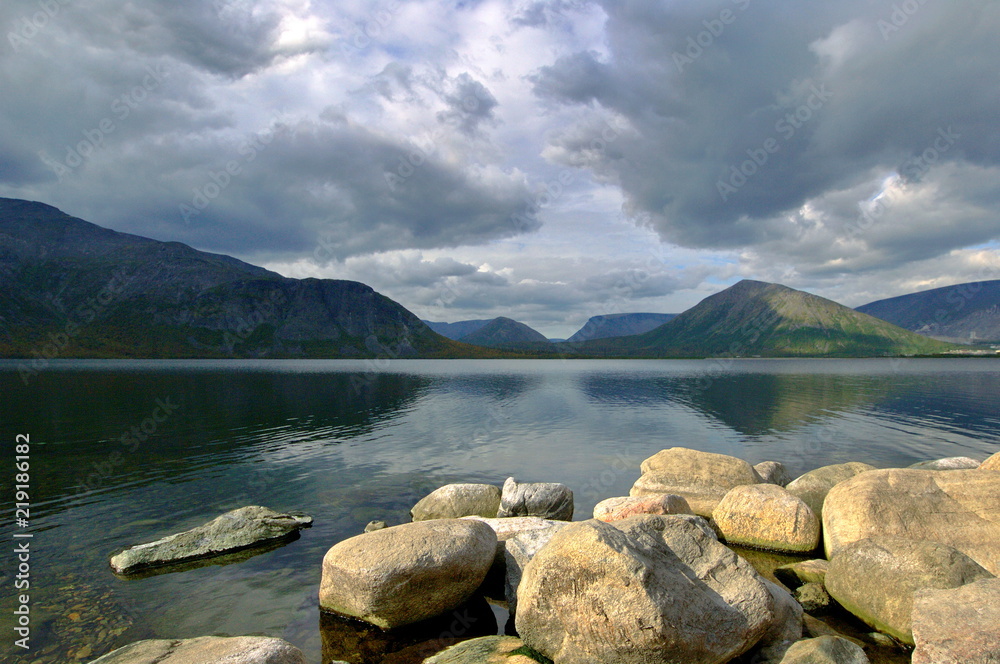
[69,288]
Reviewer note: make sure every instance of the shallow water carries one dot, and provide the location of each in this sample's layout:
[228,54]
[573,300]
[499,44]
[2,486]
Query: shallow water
[349,442]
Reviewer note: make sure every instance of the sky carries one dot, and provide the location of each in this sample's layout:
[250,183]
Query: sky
[545,161]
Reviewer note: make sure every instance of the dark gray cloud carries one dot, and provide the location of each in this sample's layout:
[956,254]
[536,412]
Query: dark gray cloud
[821,95]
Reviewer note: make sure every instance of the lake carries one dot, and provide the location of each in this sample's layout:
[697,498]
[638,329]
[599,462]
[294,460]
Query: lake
[125,452]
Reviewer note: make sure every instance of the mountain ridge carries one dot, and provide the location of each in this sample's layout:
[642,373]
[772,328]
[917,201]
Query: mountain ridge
[605,326]
[71,288]
[968,312]
[754,318]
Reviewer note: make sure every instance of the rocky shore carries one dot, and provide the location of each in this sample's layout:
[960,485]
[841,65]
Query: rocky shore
[910,557]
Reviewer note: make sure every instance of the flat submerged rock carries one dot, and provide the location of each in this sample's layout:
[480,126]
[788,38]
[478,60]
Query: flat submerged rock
[233,531]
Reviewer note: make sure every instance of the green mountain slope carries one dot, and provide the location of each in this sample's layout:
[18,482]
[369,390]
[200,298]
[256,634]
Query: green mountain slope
[506,333]
[968,312]
[755,318]
[69,288]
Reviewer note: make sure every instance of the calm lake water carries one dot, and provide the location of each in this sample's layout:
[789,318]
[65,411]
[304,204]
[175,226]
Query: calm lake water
[348,442]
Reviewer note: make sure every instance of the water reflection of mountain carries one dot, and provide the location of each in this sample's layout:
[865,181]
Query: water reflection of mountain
[750,403]
[173,422]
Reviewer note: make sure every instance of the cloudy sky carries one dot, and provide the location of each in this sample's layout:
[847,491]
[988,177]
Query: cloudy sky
[547,161]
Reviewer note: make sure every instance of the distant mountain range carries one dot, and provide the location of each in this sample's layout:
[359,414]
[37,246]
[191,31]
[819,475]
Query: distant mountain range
[619,325]
[69,288]
[505,333]
[964,313]
[753,318]
[456,331]
[494,333]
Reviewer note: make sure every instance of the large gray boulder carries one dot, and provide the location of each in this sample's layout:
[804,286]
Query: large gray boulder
[206,650]
[959,508]
[786,628]
[487,650]
[644,590]
[701,478]
[548,500]
[407,573]
[511,526]
[453,501]
[959,625]
[623,507]
[518,552]
[951,463]
[239,529]
[876,578]
[773,472]
[814,485]
[766,516]
[825,650]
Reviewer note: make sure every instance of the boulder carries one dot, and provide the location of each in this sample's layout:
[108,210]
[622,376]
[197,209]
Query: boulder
[958,626]
[773,472]
[518,551]
[548,500]
[701,478]
[786,628]
[372,526]
[239,529]
[825,650]
[992,463]
[814,485]
[959,508]
[951,463]
[813,597]
[453,501]
[511,526]
[643,590]
[876,578]
[488,650]
[766,516]
[206,649]
[407,573]
[794,575]
[615,509]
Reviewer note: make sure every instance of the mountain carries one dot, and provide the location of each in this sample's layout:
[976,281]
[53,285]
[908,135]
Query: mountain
[457,330]
[619,325]
[755,318]
[965,313]
[70,288]
[505,333]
